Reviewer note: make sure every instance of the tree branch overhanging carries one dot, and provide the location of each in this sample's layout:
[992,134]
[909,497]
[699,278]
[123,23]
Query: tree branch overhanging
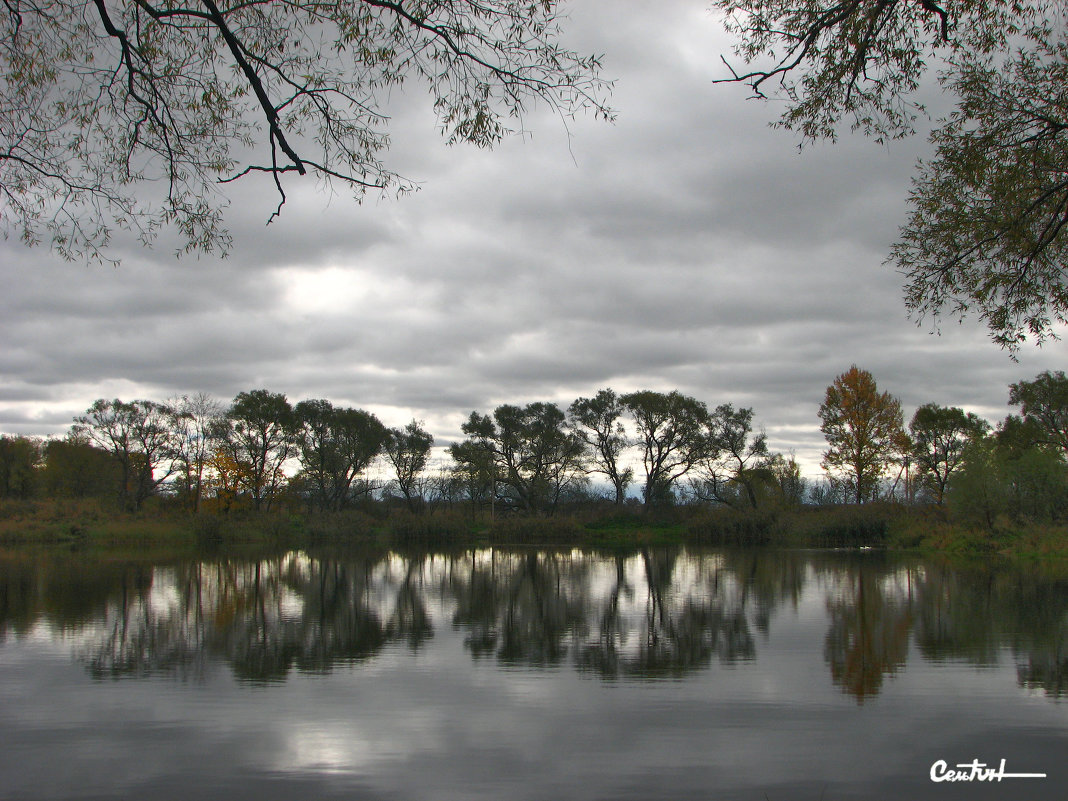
[143,92]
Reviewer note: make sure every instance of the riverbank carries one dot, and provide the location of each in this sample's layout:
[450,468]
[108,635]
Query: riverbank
[879,525]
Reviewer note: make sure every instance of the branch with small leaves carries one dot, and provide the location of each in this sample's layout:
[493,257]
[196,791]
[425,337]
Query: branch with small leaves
[197,97]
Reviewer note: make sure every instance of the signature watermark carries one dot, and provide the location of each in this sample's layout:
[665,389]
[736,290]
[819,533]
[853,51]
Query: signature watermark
[975,771]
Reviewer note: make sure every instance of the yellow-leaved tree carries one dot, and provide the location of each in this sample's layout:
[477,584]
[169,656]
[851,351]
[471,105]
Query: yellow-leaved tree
[864,429]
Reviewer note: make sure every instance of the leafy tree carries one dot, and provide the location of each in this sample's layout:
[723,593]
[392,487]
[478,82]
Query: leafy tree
[985,233]
[786,478]
[226,477]
[671,434]
[1044,405]
[74,468]
[538,457]
[731,469]
[256,434]
[473,476]
[140,435]
[662,494]
[408,450]
[863,428]
[1037,484]
[105,99]
[979,492]
[597,422]
[940,436]
[1015,435]
[534,457]
[20,460]
[1010,477]
[335,445]
[986,229]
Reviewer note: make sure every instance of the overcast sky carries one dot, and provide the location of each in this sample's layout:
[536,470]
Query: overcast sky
[686,246]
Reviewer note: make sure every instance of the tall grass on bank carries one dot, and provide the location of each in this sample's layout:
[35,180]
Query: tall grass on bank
[847,526]
[84,523]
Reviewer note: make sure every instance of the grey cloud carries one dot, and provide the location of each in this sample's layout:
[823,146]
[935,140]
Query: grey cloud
[686,246]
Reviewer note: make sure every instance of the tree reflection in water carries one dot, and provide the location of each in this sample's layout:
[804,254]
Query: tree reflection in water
[683,622]
[1039,632]
[410,620]
[869,631]
[647,614]
[521,607]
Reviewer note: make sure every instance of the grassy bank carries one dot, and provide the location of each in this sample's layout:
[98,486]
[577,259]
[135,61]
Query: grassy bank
[890,526]
[883,525]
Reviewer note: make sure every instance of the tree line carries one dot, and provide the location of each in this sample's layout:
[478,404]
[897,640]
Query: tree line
[1017,470]
[648,447]
[195,450]
[262,450]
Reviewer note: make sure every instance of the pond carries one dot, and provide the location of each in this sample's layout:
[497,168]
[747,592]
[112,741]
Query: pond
[530,674]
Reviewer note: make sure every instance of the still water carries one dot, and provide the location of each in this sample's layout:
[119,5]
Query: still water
[504,674]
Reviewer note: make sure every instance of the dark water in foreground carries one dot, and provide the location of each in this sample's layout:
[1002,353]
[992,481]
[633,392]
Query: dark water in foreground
[662,674]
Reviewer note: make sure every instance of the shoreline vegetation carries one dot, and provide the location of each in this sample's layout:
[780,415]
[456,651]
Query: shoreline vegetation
[614,470]
[90,524]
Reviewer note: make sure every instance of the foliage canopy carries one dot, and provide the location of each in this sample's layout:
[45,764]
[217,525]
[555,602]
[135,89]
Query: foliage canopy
[940,437]
[140,436]
[527,450]
[596,421]
[335,445]
[408,450]
[671,434]
[985,234]
[1044,405]
[863,428]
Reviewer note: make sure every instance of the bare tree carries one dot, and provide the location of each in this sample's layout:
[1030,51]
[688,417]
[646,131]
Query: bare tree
[196,423]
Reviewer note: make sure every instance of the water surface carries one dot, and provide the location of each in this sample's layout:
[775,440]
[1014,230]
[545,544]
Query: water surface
[495,674]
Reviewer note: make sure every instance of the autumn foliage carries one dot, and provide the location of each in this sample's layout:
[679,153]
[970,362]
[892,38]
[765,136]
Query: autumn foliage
[864,431]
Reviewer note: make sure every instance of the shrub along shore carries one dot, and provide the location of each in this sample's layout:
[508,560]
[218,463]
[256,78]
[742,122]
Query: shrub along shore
[880,525]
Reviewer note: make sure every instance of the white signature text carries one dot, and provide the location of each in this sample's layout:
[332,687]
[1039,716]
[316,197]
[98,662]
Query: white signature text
[975,771]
